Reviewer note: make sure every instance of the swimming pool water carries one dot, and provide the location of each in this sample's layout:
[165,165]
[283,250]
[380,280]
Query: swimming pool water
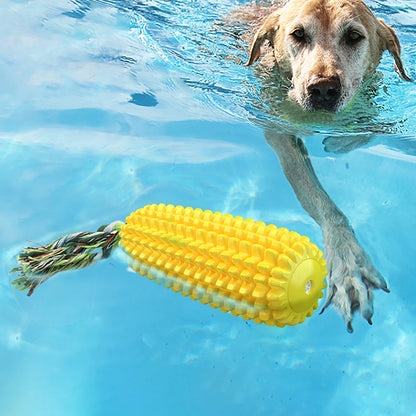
[111,105]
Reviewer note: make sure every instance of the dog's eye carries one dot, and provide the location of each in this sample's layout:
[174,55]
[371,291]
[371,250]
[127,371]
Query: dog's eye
[353,37]
[298,35]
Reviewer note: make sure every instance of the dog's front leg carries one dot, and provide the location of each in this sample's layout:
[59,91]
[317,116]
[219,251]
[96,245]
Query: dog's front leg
[351,273]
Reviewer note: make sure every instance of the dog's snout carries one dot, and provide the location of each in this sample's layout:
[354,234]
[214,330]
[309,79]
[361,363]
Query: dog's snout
[324,93]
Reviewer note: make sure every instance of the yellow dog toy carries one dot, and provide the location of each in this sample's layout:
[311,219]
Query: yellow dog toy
[264,273]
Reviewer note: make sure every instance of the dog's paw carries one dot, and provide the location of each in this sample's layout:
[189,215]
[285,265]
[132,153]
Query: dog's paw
[351,275]
[346,143]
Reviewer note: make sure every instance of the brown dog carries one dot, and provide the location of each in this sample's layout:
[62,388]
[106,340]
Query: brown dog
[326,49]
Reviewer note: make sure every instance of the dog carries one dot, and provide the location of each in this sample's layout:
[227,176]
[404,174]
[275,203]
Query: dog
[327,50]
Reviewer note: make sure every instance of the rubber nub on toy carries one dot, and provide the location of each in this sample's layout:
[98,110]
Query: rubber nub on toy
[268,274]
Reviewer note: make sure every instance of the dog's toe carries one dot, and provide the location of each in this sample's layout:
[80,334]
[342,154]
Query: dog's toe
[352,277]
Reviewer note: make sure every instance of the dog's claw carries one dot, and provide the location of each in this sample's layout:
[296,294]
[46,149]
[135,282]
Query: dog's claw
[352,276]
[383,285]
[376,278]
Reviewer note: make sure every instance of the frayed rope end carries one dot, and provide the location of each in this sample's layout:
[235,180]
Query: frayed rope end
[73,251]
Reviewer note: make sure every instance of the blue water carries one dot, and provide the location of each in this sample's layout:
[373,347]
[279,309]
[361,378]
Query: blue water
[111,105]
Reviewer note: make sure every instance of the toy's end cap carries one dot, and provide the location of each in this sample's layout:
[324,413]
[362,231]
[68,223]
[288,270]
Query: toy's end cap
[306,284]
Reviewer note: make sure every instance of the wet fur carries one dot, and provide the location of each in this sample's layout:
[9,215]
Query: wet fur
[325,52]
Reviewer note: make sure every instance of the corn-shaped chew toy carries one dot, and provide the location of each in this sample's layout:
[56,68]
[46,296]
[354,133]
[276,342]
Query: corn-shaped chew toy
[264,273]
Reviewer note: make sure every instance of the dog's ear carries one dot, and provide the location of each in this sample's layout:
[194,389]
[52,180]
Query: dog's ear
[266,32]
[390,42]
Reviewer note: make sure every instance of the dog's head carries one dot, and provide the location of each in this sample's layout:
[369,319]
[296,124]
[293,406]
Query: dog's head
[327,48]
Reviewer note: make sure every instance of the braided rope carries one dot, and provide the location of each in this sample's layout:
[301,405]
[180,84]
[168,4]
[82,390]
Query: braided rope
[73,251]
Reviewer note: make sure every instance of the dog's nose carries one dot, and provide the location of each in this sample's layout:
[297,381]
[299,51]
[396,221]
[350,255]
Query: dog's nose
[324,93]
